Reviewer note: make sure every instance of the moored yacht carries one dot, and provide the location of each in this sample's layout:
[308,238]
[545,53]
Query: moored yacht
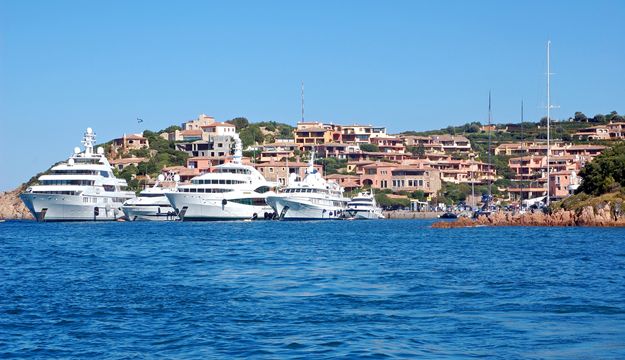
[312,198]
[363,206]
[152,204]
[82,188]
[233,191]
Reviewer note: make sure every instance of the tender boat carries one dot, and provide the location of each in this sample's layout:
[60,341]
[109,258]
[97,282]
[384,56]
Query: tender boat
[363,206]
[312,198]
[152,204]
[82,188]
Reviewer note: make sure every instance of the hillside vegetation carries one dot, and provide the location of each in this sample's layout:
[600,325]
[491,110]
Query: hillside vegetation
[603,181]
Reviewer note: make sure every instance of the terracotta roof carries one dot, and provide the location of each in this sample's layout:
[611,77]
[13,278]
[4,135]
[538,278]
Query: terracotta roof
[135,136]
[580,147]
[333,144]
[342,176]
[181,170]
[350,184]
[315,129]
[127,161]
[191,132]
[382,164]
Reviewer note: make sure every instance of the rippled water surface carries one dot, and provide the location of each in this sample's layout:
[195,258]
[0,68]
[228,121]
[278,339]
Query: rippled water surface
[310,290]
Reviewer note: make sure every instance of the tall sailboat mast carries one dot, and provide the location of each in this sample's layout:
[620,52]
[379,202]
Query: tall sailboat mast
[548,124]
[490,181]
[522,151]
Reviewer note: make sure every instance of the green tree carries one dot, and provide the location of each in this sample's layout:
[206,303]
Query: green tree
[391,203]
[251,135]
[606,173]
[332,165]
[580,117]
[599,118]
[369,148]
[239,122]
[170,129]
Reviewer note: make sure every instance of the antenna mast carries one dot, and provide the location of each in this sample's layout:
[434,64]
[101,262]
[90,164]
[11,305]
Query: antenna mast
[302,101]
[548,123]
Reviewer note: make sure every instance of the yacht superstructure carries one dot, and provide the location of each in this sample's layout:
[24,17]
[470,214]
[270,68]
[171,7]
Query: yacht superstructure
[363,206]
[152,204]
[82,188]
[312,198]
[233,191]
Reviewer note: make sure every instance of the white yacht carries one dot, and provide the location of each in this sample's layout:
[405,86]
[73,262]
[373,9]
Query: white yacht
[152,204]
[312,198]
[363,206]
[233,191]
[82,188]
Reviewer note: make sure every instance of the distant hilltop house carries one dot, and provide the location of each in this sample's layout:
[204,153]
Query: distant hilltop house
[126,143]
[121,164]
[611,131]
[493,128]
[202,128]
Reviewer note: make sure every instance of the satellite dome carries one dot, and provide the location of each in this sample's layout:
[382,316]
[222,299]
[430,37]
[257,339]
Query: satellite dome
[176,178]
[161,177]
[100,150]
[89,131]
[76,150]
[70,162]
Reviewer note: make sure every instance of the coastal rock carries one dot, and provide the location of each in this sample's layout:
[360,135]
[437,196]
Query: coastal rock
[11,207]
[604,215]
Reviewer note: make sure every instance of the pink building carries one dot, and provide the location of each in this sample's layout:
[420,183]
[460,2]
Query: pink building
[563,183]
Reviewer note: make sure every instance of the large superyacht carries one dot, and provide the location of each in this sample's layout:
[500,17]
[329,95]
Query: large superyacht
[233,191]
[312,198]
[82,188]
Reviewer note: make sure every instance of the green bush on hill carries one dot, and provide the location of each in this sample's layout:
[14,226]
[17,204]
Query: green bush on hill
[606,173]
[332,165]
[369,147]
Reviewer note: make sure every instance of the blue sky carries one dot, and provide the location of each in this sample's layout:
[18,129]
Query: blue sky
[66,65]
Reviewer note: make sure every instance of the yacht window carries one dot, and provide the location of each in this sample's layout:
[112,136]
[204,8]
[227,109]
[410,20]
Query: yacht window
[109,188]
[262,189]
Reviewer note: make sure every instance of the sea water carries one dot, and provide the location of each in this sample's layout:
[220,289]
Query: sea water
[348,289]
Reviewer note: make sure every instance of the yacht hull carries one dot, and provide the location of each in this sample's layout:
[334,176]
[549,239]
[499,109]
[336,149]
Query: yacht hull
[302,209]
[46,207]
[365,214]
[149,213]
[193,207]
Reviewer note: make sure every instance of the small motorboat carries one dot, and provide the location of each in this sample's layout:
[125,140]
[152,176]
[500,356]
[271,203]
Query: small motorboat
[448,215]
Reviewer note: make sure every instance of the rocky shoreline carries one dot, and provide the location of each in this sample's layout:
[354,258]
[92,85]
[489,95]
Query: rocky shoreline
[603,215]
[11,207]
